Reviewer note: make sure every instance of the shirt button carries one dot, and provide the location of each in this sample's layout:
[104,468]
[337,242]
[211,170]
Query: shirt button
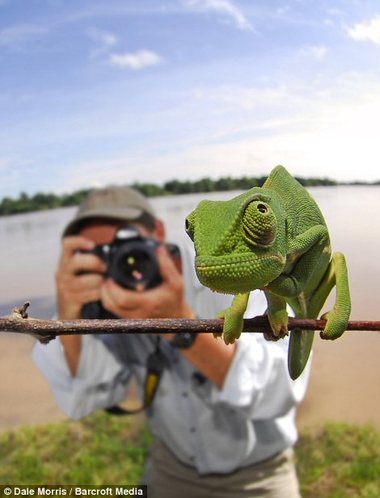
[185,394]
[192,430]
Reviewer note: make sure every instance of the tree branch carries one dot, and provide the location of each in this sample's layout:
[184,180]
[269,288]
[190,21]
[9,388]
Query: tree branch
[46,330]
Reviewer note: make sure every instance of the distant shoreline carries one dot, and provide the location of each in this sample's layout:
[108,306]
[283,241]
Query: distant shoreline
[41,201]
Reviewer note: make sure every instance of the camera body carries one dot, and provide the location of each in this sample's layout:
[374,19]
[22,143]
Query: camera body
[130,261]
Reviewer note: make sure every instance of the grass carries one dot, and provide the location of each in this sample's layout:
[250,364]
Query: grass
[337,461]
[100,449]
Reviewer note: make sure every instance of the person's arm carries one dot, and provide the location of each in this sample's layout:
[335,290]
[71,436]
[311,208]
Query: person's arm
[210,356]
[78,279]
[72,346]
[80,384]
[100,380]
[257,383]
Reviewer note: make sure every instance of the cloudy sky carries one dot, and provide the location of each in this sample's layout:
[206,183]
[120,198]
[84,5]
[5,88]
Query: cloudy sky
[94,92]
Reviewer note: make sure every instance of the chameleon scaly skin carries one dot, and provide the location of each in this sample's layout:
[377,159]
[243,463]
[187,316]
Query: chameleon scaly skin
[272,238]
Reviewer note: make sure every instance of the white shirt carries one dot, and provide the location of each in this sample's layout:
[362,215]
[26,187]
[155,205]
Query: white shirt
[215,430]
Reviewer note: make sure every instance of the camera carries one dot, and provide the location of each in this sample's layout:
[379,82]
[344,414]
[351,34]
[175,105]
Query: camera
[130,261]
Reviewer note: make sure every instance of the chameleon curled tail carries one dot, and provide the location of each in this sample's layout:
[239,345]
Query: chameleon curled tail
[336,319]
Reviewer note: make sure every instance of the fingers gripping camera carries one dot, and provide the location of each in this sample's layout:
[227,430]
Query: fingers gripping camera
[131,262]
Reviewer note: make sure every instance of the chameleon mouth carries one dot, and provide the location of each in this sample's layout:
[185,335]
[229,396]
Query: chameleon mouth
[238,274]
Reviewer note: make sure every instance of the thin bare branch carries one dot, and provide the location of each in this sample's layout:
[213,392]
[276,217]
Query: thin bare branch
[46,330]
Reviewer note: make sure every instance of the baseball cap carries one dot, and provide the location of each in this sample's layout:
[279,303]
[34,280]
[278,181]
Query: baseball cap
[120,203]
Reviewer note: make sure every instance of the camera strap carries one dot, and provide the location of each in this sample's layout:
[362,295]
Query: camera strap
[156,363]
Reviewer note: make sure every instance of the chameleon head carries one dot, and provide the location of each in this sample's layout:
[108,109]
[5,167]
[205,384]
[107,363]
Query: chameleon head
[236,242]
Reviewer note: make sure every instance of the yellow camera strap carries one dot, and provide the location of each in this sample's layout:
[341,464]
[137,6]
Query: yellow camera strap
[156,364]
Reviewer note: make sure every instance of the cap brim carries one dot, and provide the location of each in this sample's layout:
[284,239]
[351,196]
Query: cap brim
[126,213]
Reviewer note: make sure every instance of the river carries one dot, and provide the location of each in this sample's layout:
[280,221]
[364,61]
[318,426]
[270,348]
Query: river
[30,243]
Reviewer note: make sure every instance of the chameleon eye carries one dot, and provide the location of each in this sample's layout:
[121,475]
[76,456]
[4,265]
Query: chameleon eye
[189,228]
[262,208]
[259,224]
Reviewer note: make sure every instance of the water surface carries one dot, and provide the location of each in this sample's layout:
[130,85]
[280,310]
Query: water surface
[30,243]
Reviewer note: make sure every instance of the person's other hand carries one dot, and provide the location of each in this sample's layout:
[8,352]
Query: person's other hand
[164,301]
[78,278]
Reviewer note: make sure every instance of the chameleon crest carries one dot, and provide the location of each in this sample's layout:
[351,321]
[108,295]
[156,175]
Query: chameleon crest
[272,238]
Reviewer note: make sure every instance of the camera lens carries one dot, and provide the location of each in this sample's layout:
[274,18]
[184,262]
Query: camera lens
[135,264]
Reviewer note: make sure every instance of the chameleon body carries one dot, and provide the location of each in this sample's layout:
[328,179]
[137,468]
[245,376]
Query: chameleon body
[272,238]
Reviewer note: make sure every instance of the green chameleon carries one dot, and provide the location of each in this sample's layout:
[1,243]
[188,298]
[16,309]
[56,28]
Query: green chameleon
[272,238]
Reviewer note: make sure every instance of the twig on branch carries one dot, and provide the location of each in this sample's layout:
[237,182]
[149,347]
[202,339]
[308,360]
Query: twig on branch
[46,330]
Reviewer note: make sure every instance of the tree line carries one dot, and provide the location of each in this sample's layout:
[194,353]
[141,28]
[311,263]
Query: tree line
[43,201]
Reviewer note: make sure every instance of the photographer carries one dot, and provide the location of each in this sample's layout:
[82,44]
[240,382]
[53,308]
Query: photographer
[223,416]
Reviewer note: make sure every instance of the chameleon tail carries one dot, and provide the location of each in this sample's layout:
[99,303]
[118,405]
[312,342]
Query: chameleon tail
[338,317]
[300,344]
[301,341]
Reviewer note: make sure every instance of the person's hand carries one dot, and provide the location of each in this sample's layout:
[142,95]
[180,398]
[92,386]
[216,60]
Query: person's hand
[79,277]
[164,301]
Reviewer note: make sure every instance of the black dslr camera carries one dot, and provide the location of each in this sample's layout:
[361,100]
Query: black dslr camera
[131,261]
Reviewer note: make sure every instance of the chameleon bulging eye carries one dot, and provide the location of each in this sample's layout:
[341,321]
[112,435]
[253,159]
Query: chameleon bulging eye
[189,228]
[259,224]
[262,208]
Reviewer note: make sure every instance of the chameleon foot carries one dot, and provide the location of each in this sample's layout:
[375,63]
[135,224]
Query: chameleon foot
[279,325]
[270,336]
[335,325]
[232,327]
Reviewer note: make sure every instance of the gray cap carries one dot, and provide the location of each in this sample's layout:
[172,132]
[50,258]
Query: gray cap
[120,203]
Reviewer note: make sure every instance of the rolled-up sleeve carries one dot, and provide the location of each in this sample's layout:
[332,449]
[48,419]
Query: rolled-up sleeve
[258,382]
[101,381]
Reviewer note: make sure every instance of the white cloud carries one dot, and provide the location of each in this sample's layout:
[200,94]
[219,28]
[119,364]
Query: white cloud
[105,38]
[224,7]
[137,60]
[104,41]
[20,34]
[4,164]
[366,31]
[330,138]
[317,51]
[232,98]
[337,141]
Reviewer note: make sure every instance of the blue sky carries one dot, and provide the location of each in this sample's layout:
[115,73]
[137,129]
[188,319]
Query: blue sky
[99,92]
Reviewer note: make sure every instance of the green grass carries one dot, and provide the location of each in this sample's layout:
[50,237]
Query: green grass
[337,461]
[100,449]
[340,461]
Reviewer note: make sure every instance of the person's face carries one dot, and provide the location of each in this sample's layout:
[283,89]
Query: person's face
[102,231]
